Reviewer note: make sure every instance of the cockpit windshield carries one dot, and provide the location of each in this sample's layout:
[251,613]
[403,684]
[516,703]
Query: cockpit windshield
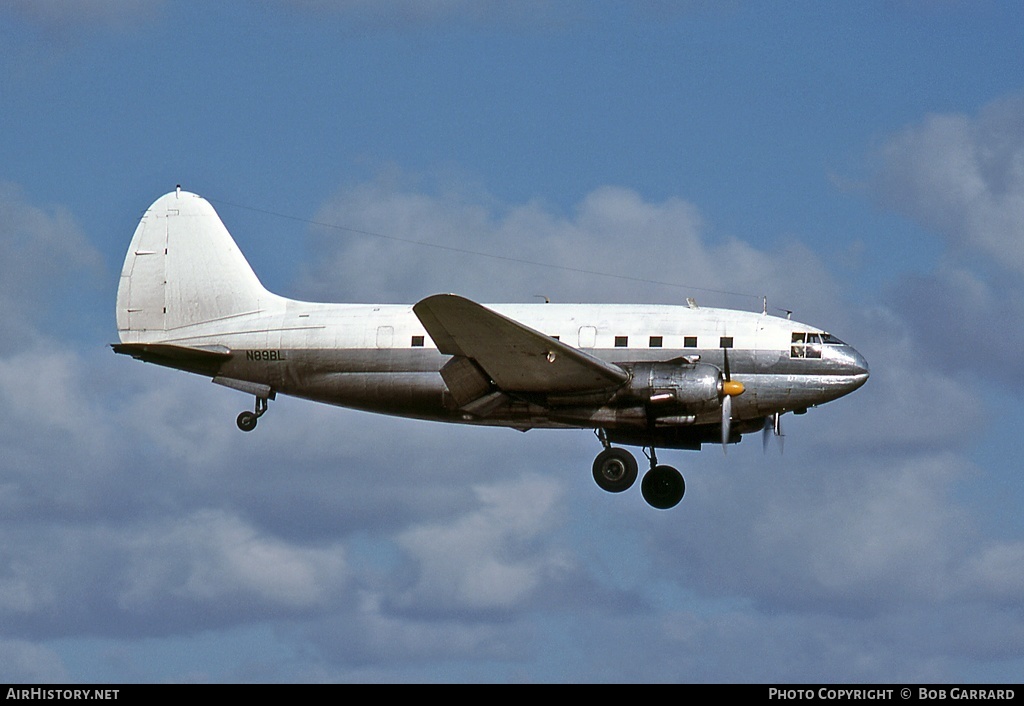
[806,344]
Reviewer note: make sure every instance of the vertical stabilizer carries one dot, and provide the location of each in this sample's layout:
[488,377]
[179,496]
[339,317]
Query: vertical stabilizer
[183,269]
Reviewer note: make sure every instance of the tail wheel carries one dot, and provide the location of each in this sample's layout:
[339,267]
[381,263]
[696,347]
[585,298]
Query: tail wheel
[246,421]
[615,470]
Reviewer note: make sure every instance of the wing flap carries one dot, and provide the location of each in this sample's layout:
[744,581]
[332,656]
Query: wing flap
[516,357]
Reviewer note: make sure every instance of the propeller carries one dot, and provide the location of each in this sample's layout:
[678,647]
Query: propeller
[772,427]
[730,388]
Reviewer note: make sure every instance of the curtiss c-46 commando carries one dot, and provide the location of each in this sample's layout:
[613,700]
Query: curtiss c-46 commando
[653,376]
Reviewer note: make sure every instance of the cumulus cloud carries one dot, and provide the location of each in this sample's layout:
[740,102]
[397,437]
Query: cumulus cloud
[488,559]
[38,248]
[211,558]
[962,177]
[966,322]
[405,243]
[852,537]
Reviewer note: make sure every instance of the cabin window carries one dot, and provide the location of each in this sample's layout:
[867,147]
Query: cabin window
[655,342]
[725,342]
[417,341]
[689,341]
[621,341]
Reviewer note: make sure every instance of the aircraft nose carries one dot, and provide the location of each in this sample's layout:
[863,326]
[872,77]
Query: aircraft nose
[859,367]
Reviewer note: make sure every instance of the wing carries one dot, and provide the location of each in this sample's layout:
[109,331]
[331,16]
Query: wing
[515,357]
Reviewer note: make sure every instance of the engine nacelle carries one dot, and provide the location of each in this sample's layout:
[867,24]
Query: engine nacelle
[674,388]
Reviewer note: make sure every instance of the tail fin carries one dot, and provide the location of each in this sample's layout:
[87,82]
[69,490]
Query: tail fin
[182,269]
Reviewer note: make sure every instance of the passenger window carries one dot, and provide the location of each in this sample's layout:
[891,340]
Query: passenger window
[656,342]
[689,341]
[725,342]
[417,341]
[621,341]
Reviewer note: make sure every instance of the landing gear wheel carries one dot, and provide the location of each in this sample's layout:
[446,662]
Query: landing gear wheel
[246,421]
[615,470]
[663,487]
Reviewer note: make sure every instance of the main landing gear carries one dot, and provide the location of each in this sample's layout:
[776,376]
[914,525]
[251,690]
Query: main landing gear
[247,420]
[615,470]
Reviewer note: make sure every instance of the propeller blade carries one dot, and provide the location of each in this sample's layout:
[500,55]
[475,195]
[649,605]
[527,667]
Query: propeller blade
[778,432]
[726,421]
[772,427]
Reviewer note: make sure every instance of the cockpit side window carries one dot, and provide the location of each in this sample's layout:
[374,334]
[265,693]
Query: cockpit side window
[796,350]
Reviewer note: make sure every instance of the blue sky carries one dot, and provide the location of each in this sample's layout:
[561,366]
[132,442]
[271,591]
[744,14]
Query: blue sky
[861,164]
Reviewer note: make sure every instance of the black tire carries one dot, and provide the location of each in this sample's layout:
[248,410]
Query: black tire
[615,470]
[663,487]
[246,421]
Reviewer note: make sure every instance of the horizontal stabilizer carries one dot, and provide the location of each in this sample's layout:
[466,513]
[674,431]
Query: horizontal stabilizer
[516,357]
[205,360]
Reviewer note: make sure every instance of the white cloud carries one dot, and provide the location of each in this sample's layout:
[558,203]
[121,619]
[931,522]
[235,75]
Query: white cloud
[860,535]
[614,247]
[212,558]
[963,177]
[965,323]
[908,403]
[23,662]
[41,250]
[491,558]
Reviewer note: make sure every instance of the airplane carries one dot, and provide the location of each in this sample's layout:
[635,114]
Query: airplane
[653,376]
